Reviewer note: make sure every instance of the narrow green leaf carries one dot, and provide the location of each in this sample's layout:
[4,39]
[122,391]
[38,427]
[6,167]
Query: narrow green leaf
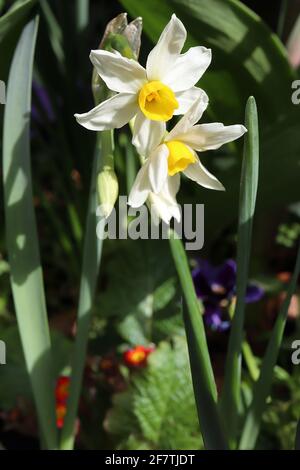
[21,234]
[55,33]
[90,268]
[202,373]
[16,13]
[262,387]
[230,400]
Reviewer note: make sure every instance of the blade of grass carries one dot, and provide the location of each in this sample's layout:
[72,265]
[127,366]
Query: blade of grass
[230,399]
[202,373]
[262,387]
[21,234]
[90,267]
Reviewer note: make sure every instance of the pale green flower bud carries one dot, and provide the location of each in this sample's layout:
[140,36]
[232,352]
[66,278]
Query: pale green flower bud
[108,190]
[107,181]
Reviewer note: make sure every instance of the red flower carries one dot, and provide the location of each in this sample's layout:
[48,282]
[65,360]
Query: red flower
[61,396]
[61,411]
[137,357]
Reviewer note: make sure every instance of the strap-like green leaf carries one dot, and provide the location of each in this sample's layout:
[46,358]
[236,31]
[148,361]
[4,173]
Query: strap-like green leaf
[21,234]
[230,400]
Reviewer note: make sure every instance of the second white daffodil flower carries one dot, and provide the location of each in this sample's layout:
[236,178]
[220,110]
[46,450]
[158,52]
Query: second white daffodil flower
[169,155]
[153,94]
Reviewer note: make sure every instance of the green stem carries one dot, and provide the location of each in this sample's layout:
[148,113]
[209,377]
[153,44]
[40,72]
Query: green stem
[248,355]
[202,374]
[90,268]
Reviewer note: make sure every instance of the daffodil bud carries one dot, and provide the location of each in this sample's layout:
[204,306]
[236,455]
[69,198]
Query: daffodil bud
[121,37]
[107,181]
[108,190]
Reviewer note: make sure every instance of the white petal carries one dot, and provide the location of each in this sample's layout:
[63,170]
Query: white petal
[119,74]
[172,186]
[188,68]
[158,167]
[147,134]
[166,51]
[141,187]
[111,114]
[211,136]
[197,172]
[187,98]
[164,204]
[190,118]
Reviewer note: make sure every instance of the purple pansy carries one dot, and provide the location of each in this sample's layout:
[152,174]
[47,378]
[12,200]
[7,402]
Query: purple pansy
[215,286]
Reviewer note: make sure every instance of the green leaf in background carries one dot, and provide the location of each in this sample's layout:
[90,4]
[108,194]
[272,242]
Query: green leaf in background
[11,24]
[157,411]
[262,387]
[21,234]
[13,16]
[202,373]
[230,400]
[14,378]
[248,59]
[143,274]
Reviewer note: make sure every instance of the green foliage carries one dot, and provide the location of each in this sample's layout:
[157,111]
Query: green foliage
[21,234]
[15,382]
[158,409]
[262,386]
[280,419]
[141,272]
[11,24]
[288,234]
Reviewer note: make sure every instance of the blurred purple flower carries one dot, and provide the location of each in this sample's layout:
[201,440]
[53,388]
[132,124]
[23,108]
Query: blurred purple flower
[216,287]
[44,108]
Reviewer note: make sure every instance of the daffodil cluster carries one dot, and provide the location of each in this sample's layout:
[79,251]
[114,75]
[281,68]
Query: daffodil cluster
[150,97]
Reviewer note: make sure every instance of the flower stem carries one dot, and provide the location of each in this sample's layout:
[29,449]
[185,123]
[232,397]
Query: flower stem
[90,267]
[202,374]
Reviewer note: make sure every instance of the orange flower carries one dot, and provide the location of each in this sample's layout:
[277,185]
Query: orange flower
[61,410]
[137,357]
[62,388]
[61,396]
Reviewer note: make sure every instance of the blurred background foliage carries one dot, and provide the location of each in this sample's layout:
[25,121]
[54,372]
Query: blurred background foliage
[138,298]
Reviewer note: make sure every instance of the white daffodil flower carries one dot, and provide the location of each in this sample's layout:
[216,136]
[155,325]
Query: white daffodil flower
[153,94]
[168,155]
[164,205]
